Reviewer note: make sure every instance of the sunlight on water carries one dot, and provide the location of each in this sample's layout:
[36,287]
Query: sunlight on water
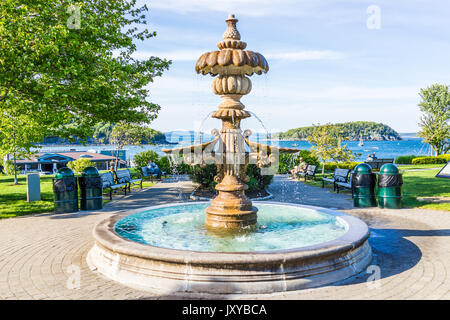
[183,227]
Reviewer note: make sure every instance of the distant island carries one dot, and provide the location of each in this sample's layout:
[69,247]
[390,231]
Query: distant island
[365,130]
[102,131]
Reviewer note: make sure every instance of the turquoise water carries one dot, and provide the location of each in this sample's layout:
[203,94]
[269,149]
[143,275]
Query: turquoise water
[183,227]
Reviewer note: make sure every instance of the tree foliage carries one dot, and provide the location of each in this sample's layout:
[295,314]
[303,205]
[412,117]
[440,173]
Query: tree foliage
[103,131]
[128,134]
[327,145]
[80,164]
[435,105]
[60,79]
[143,158]
[356,130]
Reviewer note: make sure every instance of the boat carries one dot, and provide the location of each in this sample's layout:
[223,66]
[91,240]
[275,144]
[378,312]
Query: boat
[361,142]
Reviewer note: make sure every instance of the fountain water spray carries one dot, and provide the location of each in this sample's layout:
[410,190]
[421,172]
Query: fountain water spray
[231,209]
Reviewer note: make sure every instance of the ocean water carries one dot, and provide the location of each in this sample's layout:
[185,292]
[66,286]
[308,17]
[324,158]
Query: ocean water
[382,149]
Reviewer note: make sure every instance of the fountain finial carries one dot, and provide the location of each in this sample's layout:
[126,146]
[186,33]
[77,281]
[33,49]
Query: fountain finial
[231,33]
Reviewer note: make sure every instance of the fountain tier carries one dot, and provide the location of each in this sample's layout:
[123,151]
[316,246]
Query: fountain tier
[278,266]
[231,209]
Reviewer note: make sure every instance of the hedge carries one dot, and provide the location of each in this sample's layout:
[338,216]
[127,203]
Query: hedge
[432,160]
[331,166]
[405,159]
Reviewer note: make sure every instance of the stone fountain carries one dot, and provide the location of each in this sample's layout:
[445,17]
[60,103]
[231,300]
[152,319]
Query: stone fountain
[170,249]
[232,65]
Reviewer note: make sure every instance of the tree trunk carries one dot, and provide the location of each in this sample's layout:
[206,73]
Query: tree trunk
[117,160]
[15,163]
[323,168]
[15,170]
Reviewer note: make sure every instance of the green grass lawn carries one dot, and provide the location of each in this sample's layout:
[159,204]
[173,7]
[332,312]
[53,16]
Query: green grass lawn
[13,198]
[419,166]
[415,184]
[424,184]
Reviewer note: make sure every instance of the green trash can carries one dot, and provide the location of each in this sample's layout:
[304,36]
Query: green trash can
[91,188]
[390,183]
[363,186]
[65,191]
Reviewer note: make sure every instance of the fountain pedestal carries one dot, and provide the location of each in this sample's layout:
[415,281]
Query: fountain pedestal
[231,209]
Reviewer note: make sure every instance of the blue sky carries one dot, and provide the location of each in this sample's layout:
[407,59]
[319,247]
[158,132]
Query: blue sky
[326,65]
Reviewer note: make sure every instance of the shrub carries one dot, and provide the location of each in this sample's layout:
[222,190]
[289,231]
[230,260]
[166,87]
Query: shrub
[164,164]
[288,161]
[446,157]
[135,173]
[429,160]
[257,181]
[143,158]
[205,177]
[309,157]
[405,159]
[331,166]
[8,167]
[79,165]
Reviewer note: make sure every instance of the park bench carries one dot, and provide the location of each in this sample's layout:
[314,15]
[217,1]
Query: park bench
[109,183]
[147,174]
[339,175]
[378,163]
[345,184]
[124,176]
[310,172]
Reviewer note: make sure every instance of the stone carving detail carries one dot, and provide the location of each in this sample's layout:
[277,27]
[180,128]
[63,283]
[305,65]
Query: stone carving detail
[234,84]
[231,209]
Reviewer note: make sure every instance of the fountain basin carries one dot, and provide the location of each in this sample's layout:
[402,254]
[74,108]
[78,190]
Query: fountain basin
[168,270]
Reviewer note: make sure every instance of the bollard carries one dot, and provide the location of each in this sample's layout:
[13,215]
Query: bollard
[390,187]
[91,188]
[363,186]
[65,191]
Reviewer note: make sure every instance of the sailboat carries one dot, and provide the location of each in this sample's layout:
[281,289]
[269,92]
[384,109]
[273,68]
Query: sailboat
[361,142]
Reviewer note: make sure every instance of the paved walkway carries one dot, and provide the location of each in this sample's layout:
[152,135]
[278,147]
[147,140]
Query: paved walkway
[41,256]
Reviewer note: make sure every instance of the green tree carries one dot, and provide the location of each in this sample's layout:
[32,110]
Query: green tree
[143,158]
[79,164]
[68,65]
[128,134]
[327,145]
[17,133]
[435,128]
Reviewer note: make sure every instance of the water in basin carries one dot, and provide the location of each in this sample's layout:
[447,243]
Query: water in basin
[183,227]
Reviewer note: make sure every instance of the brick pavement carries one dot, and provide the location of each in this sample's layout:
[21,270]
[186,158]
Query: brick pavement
[41,255]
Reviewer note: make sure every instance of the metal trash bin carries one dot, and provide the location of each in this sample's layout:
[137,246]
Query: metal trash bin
[91,188]
[363,186]
[65,191]
[390,183]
